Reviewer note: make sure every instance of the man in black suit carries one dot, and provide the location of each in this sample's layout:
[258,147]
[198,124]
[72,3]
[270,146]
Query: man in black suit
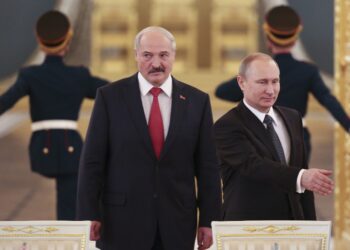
[260,146]
[298,78]
[56,92]
[149,137]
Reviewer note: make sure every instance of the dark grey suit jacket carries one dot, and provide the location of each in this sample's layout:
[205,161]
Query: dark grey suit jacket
[122,184]
[256,185]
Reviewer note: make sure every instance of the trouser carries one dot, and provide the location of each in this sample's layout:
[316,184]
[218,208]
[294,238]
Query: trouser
[66,188]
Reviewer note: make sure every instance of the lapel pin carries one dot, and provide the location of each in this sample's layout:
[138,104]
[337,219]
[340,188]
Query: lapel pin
[182,97]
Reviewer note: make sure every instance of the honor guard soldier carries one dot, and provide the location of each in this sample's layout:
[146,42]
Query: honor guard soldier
[56,92]
[297,78]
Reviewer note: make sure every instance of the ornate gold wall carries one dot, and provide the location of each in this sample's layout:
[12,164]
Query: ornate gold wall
[342,139]
[207,35]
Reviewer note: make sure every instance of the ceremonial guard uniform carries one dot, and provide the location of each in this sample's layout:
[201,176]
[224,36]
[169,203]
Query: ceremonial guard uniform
[56,92]
[297,78]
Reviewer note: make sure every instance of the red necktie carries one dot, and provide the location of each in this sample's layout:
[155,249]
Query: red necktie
[155,123]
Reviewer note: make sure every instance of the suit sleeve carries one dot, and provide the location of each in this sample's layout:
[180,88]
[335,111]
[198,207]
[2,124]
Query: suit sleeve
[18,90]
[92,163]
[325,97]
[207,171]
[229,91]
[237,150]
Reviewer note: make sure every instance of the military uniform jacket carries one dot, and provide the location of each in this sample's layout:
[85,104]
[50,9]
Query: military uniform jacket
[55,92]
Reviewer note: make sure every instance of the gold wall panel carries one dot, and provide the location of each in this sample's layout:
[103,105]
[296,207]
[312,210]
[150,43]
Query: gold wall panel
[234,32]
[230,32]
[114,26]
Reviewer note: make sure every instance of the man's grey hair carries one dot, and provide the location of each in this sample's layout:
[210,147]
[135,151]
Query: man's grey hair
[247,61]
[165,32]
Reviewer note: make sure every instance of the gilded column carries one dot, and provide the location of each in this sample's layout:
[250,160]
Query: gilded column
[342,139]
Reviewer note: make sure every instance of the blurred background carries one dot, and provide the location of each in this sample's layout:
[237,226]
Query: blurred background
[212,37]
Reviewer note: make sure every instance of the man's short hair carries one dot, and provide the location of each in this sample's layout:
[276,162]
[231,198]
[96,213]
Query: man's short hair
[165,32]
[246,62]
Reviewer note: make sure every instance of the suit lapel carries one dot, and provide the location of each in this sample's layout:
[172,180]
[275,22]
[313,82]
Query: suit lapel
[178,107]
[257,128]
[132,97]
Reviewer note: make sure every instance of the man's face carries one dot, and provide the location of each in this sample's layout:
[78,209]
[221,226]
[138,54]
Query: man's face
[155,57]
[261,84]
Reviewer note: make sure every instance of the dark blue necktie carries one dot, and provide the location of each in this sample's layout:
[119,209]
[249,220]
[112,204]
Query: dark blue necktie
[274,138]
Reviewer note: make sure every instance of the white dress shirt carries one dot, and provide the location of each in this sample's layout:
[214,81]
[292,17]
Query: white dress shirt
[164,99]
[283,136]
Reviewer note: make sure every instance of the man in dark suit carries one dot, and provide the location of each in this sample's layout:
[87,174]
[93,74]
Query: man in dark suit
[260,147]
[282,27]
[56,92]
[149,137]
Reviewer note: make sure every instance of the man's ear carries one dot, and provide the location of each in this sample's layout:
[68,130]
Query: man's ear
[240,81]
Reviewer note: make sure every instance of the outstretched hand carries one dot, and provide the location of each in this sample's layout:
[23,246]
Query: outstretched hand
[318,181]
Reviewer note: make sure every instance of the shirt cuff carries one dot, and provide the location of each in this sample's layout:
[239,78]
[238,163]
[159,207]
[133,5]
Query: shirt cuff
[300,189]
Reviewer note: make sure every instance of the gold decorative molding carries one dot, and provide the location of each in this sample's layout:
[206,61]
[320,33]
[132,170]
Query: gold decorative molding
[29,229]
[295,236]
[271,229]
[18,235]
[39,234]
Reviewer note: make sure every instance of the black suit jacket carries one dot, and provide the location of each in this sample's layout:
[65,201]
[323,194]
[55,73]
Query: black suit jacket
[139,193]
[256,185]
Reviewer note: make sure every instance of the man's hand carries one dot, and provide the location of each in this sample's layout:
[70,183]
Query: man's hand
[204,238]
[95,230]
[318,181]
